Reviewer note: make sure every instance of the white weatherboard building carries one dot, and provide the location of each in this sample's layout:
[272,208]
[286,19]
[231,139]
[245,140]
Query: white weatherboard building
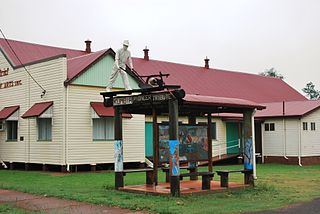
[69,124]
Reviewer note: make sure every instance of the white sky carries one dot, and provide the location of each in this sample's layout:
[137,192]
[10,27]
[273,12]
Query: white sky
[239,35]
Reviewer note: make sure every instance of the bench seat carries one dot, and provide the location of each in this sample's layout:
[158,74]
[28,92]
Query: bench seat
[149,173]
[206,178]
[224,176]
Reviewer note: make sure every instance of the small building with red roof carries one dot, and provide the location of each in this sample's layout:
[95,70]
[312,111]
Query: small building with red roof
[56,116]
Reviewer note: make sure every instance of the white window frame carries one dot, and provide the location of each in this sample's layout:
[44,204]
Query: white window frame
[95,116]
[13,117]
[48,114]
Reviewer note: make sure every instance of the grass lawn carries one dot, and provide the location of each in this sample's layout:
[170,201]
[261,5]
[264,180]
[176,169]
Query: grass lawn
[6,209]
[277,186]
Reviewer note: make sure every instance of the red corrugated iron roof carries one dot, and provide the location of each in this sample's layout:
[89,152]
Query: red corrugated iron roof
[218,101]
[8,111]
[29,52]
[220,83]
[103,111]
[193,79]
[37,109]
[293,108]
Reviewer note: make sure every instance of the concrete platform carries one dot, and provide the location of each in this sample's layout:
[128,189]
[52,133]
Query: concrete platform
[186,187]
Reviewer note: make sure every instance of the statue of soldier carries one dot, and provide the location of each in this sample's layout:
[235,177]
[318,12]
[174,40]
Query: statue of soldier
[123,55]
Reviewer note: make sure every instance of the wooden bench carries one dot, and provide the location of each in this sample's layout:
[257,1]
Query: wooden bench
[167,171]
[149,173]
[206,178]
[224,176]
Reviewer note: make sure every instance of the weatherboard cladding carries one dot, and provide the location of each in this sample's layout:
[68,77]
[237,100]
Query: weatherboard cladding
[50,74]
[82,149]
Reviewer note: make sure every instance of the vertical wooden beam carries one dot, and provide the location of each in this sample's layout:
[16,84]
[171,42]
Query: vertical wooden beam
[155,146]
[118,148]
[192,120]
[174,148]
[248,142]
[209,142]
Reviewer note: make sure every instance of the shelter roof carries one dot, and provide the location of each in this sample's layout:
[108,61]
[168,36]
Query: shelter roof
[220,101]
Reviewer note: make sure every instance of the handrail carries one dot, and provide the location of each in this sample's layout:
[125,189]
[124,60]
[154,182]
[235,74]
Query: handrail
[223,146]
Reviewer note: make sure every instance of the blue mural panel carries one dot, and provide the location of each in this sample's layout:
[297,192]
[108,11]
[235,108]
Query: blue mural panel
[248,154]
[174,157]
[118,156]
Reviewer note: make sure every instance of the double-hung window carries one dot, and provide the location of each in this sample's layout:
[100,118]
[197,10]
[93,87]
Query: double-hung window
[103,128]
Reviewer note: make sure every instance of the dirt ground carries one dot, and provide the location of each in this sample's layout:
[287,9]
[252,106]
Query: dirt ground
[45,204]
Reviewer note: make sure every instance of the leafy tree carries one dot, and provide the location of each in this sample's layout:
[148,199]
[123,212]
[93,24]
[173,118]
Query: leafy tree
[271,73]
[311,92]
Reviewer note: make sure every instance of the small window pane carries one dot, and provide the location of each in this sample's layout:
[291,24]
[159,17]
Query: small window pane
[313,126]
[272,127]
[12,130]
[266,127]
[103,128]
[45,129]
[305,125]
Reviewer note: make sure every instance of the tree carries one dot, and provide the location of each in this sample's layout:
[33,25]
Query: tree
[271,73]
[311,92]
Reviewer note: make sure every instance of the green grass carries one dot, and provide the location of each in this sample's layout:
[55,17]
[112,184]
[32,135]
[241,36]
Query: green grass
[277,186]
[6,209]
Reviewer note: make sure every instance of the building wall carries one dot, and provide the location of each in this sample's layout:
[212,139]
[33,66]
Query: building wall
[81,148]
[311,139]
[284,141]
[50,75]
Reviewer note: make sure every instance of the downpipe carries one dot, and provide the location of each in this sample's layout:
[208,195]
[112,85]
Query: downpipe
[299,144]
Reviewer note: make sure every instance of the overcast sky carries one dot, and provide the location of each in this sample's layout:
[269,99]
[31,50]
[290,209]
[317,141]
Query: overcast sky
[238,35]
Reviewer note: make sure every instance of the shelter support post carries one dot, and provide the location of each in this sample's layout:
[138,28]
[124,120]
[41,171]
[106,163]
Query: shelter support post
[118,148]
[192,165]
[248,143]
[174,148]
[209,142]
[155,147]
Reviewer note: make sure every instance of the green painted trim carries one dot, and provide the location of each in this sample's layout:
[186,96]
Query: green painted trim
[99,73]
[149,139]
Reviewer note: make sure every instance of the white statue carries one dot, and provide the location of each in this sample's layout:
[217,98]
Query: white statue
[123,55]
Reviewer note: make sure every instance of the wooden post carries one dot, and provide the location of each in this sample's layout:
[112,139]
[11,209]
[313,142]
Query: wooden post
[118,148]
[209,142]
[192,120]
[174,148]
[248,143]
[155,146]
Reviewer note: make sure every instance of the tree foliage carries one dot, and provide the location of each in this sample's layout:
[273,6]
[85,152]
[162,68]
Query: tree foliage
[311,92]
[271,73]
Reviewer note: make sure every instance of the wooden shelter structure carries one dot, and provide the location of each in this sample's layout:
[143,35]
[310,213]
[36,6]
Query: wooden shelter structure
[173,101]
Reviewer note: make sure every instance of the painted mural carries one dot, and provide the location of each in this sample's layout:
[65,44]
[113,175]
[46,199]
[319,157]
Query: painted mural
[248,154]
[174,157]
[193,143]
[118,156]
